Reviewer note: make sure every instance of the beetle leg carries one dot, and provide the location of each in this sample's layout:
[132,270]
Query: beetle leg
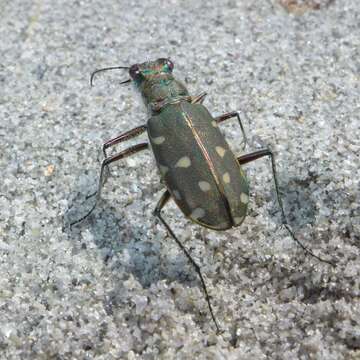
[123,137]
[157,212]
[121,155]
[230,115]
[198,99]
[244,159]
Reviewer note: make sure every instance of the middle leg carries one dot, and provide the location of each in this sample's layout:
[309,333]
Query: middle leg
[121,138]
[121,155]
[244,159]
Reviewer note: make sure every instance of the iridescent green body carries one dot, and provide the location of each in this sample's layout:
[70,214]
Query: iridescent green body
[195,161]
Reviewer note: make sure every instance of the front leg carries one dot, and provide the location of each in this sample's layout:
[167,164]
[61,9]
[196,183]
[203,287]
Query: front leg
[124,137]
[199,100]
[230,115]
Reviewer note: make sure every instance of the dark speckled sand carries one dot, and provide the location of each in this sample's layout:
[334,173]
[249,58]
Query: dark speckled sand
[116,286]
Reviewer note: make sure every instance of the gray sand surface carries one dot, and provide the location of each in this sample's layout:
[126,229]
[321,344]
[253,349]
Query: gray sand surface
[117,286]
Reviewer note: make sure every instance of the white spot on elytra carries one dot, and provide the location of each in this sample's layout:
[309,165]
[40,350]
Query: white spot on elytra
[163,169]
[220,150]
[226,178]
[158,140]
[244,198]
[204,186]
[177,194]
[197,213]
[238,220]
[184,162]
[214,123]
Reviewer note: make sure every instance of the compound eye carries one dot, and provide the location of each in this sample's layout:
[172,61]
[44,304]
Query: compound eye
[166,64]
[169,64]
[134,71]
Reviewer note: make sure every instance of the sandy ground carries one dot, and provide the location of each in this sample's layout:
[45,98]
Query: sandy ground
[117,286]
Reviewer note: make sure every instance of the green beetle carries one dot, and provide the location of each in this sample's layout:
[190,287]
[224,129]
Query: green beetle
[196,164]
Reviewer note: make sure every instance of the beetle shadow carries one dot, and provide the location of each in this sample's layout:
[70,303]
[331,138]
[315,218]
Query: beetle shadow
[128,244]
[299,205]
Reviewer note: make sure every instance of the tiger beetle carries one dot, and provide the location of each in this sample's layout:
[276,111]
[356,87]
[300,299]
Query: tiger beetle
[201,173]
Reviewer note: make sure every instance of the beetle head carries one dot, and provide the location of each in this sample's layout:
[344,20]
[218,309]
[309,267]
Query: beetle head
[154,80]
[151,70]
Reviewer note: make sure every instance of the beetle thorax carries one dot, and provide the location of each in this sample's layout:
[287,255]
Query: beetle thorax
[162,90]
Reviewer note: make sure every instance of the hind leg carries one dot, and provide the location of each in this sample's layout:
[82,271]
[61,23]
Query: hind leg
[157,212]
